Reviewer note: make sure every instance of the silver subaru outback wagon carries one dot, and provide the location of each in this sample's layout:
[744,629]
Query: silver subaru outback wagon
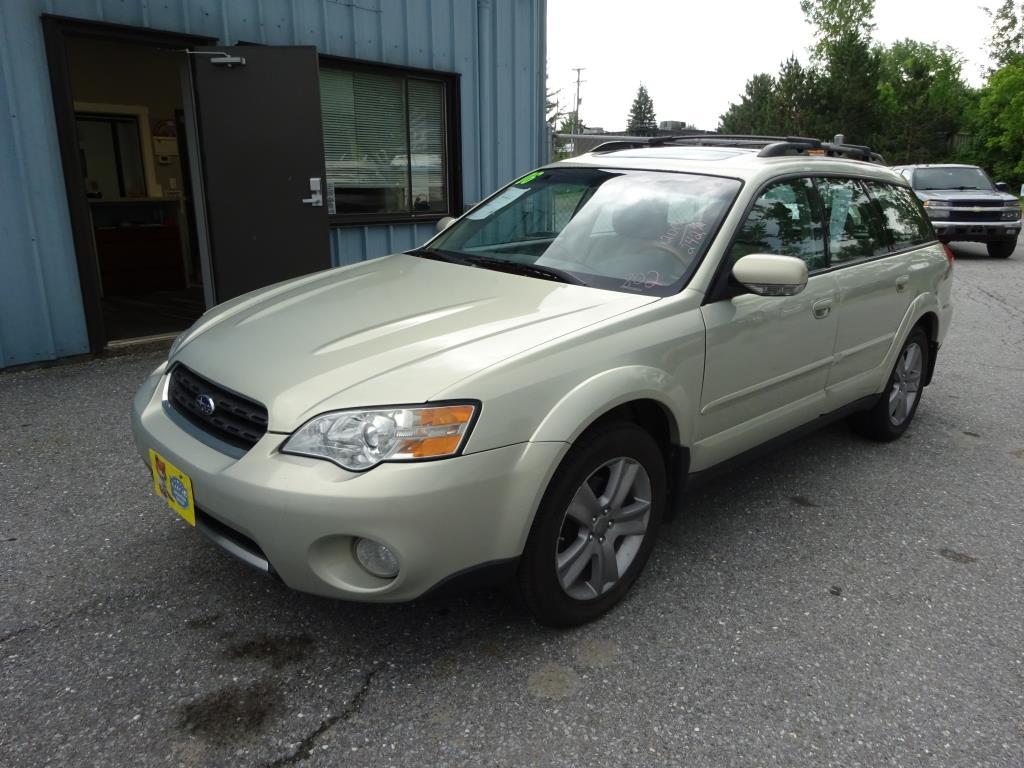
[523,398]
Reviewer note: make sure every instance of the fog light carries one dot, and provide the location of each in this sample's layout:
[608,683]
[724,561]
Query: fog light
[376,558]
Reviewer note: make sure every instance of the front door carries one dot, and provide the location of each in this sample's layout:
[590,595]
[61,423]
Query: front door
[768,357]
[260,138]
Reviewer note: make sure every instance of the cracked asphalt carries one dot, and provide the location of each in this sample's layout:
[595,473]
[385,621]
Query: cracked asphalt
[840,603]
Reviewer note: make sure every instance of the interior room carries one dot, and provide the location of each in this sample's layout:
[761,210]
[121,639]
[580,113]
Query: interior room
[134,162]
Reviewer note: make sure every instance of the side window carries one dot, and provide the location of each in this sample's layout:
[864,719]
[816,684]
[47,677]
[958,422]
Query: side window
[854,227]
[786,220]
[903,216]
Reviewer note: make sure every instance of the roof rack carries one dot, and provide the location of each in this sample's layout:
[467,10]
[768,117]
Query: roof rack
[768,146]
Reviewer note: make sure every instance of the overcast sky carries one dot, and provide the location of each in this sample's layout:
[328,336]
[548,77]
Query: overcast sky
[696,57]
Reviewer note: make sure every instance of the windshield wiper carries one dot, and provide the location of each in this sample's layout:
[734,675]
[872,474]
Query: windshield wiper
[533,270]
[439,255]
[963,188]
[498,265]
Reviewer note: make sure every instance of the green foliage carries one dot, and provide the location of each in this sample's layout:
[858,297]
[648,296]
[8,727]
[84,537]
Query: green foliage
[553,110]
[922,100]
[837,22]
[755,112]
[1007,40]
[642,120]
[797,100]
[998,125]
[850,89]
[906,100]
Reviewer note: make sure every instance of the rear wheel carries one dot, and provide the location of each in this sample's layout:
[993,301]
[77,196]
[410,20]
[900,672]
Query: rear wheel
[895,409]
[595,527]
[1001,249]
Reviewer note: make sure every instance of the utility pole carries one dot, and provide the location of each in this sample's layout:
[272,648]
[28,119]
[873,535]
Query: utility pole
[576,112]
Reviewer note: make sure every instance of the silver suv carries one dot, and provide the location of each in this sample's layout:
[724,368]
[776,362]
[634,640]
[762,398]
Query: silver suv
[964,204]
[526,397]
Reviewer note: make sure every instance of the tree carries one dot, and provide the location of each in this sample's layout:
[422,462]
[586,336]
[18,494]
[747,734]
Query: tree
[998,125]
[907,100]
[922,100]
[642,121]
[553,110]
[838,21]
[1007,40]
[753,115]
[796,104]
[556,122]
[848,65]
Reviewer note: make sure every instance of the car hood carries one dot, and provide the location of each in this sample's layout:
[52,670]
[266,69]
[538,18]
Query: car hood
[965,195]
[394,330]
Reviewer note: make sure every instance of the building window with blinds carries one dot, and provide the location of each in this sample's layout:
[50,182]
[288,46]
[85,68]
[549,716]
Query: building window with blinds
[385,144]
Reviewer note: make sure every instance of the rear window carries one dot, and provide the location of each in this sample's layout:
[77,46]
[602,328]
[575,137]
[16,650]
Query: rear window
[903,217]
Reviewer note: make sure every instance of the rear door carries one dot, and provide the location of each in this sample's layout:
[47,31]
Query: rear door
[768,357]
[875,244]
[257,114]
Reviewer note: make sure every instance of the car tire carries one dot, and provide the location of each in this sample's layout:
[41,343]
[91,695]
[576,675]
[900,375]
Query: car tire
[890,416]
[565,573]
[1001,249]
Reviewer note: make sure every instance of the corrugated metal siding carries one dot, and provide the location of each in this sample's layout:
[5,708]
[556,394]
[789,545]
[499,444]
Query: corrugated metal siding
[496,45]
[41,314]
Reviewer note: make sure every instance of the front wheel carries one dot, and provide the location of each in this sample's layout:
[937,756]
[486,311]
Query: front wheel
[895,409]
[595,527]
[1002,249]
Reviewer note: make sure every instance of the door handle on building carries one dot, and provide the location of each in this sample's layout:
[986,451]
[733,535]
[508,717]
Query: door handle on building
[822,308]
[316,197]
[901,282]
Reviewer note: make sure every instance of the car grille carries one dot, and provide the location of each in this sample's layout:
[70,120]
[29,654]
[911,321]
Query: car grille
[235,419]
[966,214]
[984,203]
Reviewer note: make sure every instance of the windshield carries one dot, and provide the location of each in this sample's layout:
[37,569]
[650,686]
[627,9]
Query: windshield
[951,178]
[634,231]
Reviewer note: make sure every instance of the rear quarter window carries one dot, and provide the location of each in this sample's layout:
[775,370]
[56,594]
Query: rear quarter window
[903,217]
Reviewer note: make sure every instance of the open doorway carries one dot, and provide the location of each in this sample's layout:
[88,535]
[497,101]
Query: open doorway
[159,236]
[132,156]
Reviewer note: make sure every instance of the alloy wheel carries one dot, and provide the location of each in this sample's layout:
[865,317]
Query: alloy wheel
[906,384]
[603,528]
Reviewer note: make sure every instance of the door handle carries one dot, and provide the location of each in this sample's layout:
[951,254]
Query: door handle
[901,282]
[316,197]
[822,308]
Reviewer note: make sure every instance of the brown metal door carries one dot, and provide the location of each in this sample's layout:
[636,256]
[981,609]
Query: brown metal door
[257,114]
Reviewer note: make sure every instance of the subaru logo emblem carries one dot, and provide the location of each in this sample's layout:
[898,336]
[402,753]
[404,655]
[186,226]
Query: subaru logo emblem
[205,405]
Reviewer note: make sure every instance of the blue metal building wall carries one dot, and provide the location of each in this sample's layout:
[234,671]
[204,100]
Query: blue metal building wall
[496,45]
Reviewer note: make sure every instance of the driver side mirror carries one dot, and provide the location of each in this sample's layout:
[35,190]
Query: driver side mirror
[768,274]
[1002,186]
[443,224]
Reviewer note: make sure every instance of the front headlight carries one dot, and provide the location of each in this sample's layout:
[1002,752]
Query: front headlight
[937,209]
[1011,213]
[361,439]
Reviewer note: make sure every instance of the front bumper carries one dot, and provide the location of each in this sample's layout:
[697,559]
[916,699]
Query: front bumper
[438,517]
[976,231]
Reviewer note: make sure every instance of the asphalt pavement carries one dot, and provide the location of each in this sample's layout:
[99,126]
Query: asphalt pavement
[841,603]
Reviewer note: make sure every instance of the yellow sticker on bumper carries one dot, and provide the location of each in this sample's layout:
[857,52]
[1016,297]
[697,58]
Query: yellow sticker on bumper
[174,486]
